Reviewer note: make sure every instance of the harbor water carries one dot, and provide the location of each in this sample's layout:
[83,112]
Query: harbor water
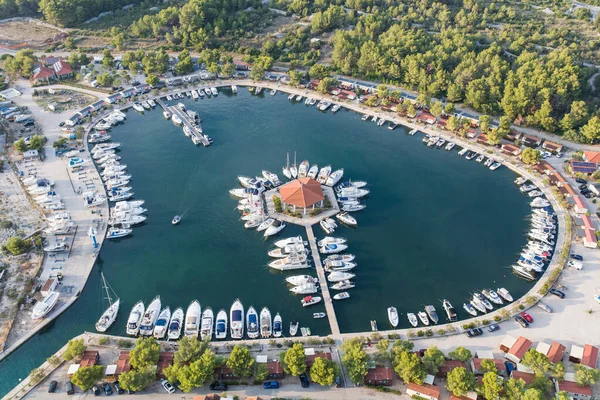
[436,225]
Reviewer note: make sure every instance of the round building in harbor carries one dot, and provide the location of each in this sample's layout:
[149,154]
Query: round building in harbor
[302,193]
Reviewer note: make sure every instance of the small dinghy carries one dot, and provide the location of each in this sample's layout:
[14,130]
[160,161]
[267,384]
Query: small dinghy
[393,316]
[412,318]
[341,296]
[176,220]
[319,315]
[294,328]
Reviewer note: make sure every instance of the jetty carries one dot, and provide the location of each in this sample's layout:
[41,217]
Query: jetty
[196,131]
[333,323]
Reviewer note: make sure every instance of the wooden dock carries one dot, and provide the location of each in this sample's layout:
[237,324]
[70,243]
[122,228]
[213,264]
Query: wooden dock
[333,323]
[196,131]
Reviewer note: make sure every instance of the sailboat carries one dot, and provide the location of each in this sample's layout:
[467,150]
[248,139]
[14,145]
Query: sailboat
[109,316]
[286,170]
[294,169]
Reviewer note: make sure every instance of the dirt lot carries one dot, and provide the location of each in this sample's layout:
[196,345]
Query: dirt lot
[27,33]
[63,100]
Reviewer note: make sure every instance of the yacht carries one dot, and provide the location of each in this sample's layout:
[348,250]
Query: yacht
[430,310]
[335,177]
[138,107]
[290,263]
[483,300]
[294,328]
[342,266]
[275,228]
[277,326]
[236,318]
[297,280]
[347,219]
[303,169]
[131,207]
[393,316]
[423,317]
[273,178]
[480,158]
[450,146]
[412,319]
[200,93]
[450,313]
[307,288]
[463,152]
[195,95]
[492,296]
[338,276]
[335,108]
[352,193]
[339,257]
[290,241]
[495,165]
[331,240]
[324,174]
[310,300]
[332,248]
[252,329]
[341,296]
[135,318]
[266,328]
[364,117]
[175,324]
[56,248]
[470,309]
[213,91]
[120,195]
[343,285]
[150,317]
[286,170]
[234,89]
[296,249]
[353,207]
[45,305]
[109,316]
[206,324]
[192,320]
[524,272]
[505,294]
[176,119]
[324,105]
[221,325]
[328,225]
[313,171]
[162,323]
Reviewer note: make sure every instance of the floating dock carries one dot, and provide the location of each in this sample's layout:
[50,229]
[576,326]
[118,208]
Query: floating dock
[187,121]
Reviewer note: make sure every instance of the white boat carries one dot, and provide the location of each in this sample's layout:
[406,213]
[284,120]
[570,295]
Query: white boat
[331,240]
[266,326]
[121,195]
[195,95]
[213,91]
[347,219]
[275,228]
[294,169]
[524,272]
[492,296]
[135,318]
[343,285]
[127,219]
[45,305]
[450,146]
[192,320]
[332,248]
[480,158]
[339,257]
[57,247]
[335,177]
[483,300]
[145,104]
[286,170]
[266,224]
[478,306]
[520,180]
[393,316]
[297,280]
[152,103]
[236,320]
[287,251]
[313,171]
[176,120]
[206,324]
[324,105]
[374,119]
[176,220]
[468,307]
[221,325]
[150,317]
[303,169]
[169,97]
[335,108]
[200,92]
[253,223]
[412,319]
[175,325]
[207,91]
[381,122]
[298,261]
[352,193]
[291,241]
[339,266]
[306,288]
[495,165]
[138,107]
[423,317]
[338,276]
[117,233]
[277,326]
[130,206]
[310,300]
[252,328]
[273,92]
[105,147]
[353,207]
[505,294]
[162,324]
[270,176]
[463,152]
[341,296]
[327,227]
[234,89]
[324,174]
[450,313]
[294,328]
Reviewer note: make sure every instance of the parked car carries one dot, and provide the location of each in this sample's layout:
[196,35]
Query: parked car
[470,333]
[107,389]
[583,186]
[522,321]
[218,385]
[527,317]
[575,264]
[96,390]
[544,307]
[493,327]
[69,387]
[576,257]
[167,386]
[271,385]
[510,367]
[557,293]
[52,387]
[304,380]
[579,180]
[588,195]
[118,387]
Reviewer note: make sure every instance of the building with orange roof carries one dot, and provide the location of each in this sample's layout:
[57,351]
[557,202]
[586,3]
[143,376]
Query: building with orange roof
[212,396]
[89,358]
[526,376]
[426,391]
[580,207]
[590,356]
[511,149]
[302,193]
[379,376]
[592,156]
[573,390]
[518,350]
[556,352]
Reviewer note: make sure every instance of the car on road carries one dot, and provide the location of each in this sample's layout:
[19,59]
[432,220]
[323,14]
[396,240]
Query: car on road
[271,385]
[52,387]
[522,321]
[96,390]
[527,317]
[493,327]
[580,180]
[576,257]
[557,293]
[167,386]
[118,387]
[304,380]
[107,389]
[218,385]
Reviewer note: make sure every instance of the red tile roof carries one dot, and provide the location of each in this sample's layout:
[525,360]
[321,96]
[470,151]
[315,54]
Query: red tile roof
[520,347]
[590,356]
[379,374]
[426,389]
[556,352]
[310,359]
[592,156]
[499,364]
[62,68]
[43,73]
[526,376]
[572,387]
[302,192]
[449,365]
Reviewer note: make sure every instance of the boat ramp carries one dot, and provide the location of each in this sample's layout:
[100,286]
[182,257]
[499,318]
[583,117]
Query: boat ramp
[195,129]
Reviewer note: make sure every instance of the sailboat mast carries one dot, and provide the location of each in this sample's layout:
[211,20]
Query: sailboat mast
[105,285]
[294,159]
[287,165]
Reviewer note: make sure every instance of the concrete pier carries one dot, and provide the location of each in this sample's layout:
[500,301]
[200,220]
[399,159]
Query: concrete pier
[333,323]
[198,137]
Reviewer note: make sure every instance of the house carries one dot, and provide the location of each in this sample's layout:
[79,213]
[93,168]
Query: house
[127,93]
[379,376]
[51,68]
[448,366]
[314,83]
[544,168]
[49,285]
[347,94]
[576,354]
[527,377]
[552,147]
[242,66]
[589,239]
[212,396]
[165,359]
[506,343]
[89,358]
[518,350]
[425,391]
[482,139]
[62,70]
[557,179]
[556,352]
[590,356]
[510,149]
[513,136]
[426,118]
[100,104]
[275,370]
[580,207]
[31,154]
[591,156]
[573,390]
[531,141]
[311,356]
[113,98]
[584,167]
[43,74]
[254,398]
[467,396]
[224,374]
[473,120]
[123,364]
[476,365]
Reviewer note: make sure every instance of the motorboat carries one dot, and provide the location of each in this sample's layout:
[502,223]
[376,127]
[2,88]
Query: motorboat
[423,317]
[480,158]
[162,324]
[342,266]
[353,207]
[303,169]
[266,224]
[299,97]
[221,325]
[319,315]
[117,233]
[307,288]
[470,309]
[287,250]
[214,91]
[374,119]
[175,324]
[412,319]
[150,317]
[478,306]
[130,207]
[524,272]
[135,318]
[310,300]
[236,318]
[195,95]
[127,219]
[335,108]
[343,285]
[341,296]
[120,195]
[352,192]
[290,263]
[77,162]
[313,171]
[273,92]
[294,328]
[118,176]
[432,313]
[59,218]
[273,178]
[492,296]
[208,92]
[331,240]
[201,93]
[324,105]
[324,174]
[495,165]
[57,247]
[275,228]
[176,119]
[450,313]
[266,328]
[381,122]
[327,226]
[290,241]
[538,202]
[105,147]
[297,280]
[374,325]
[483,300]
[347,219]
[339,257]
[138,107]
[234,89]
[277,326]
[312,102]
[364,117]
[253,223]
[338,276]
[176,220]
[470,155]
[335,177]
[45,305]
[207,324]
[145,104]
[393,316]
[450,146]
[332,248]
[505,294]
[252,329]
[192,320]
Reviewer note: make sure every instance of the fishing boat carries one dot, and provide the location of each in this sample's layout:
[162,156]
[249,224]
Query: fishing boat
[412,319]
[310,300]
[306,288]
[286,170]
[162,323]
[338,276]
[332,248]
[294,328]
[324,174]
[393,316]
[206,324]
[236,318]
[470,309]
[505,294]
[492,296]
[450,313]
[252,328]
[339,257]
[313,171]
[290,241]
[275,228]
[430,310]
[221,325]
[135,317]
[277,326]
[297,280]
[109,316]
[266,328]
[45,305]
[347,219]
[319,315]
[303,169]
[483,300]
[192,320]
[335,177]
[423,317]
[343,285]
[150,317]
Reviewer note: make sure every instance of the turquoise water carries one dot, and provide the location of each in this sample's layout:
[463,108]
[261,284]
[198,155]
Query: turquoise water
[436,225]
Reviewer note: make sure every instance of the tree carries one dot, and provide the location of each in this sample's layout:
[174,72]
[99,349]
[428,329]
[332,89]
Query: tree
[400,345]
[494,136]
[460,381]
[324,371]
[228,69]
[107,58]
[504,127]
[145,353]
[530,156]
[105,79]
[461,354]
[70,43]
[591,130]
[382,91]
[372,101]
[408,366]
[433,359]
[583,14]
[318,71]
[86,377]
[484,123]
[586,376]
[36,142]
[295,77]
[241,362]
[452,124]
[490,388]
[558,372]
[261,372]
[21,64]
[197,373]
[138,380]
[514,389]
[537,361]
[355,360]
[21,146]
[382,351]
[488,365]
[295,360]
[437,108]
[60,143]
[541,383]
[152,80]
[326,85]
[189,350]
[75,348]
[185,64]
[411,111]
[449,109]
[533,394]
[563,395]
[578,113]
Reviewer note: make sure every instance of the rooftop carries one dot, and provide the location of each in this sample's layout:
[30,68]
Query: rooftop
[302,192]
